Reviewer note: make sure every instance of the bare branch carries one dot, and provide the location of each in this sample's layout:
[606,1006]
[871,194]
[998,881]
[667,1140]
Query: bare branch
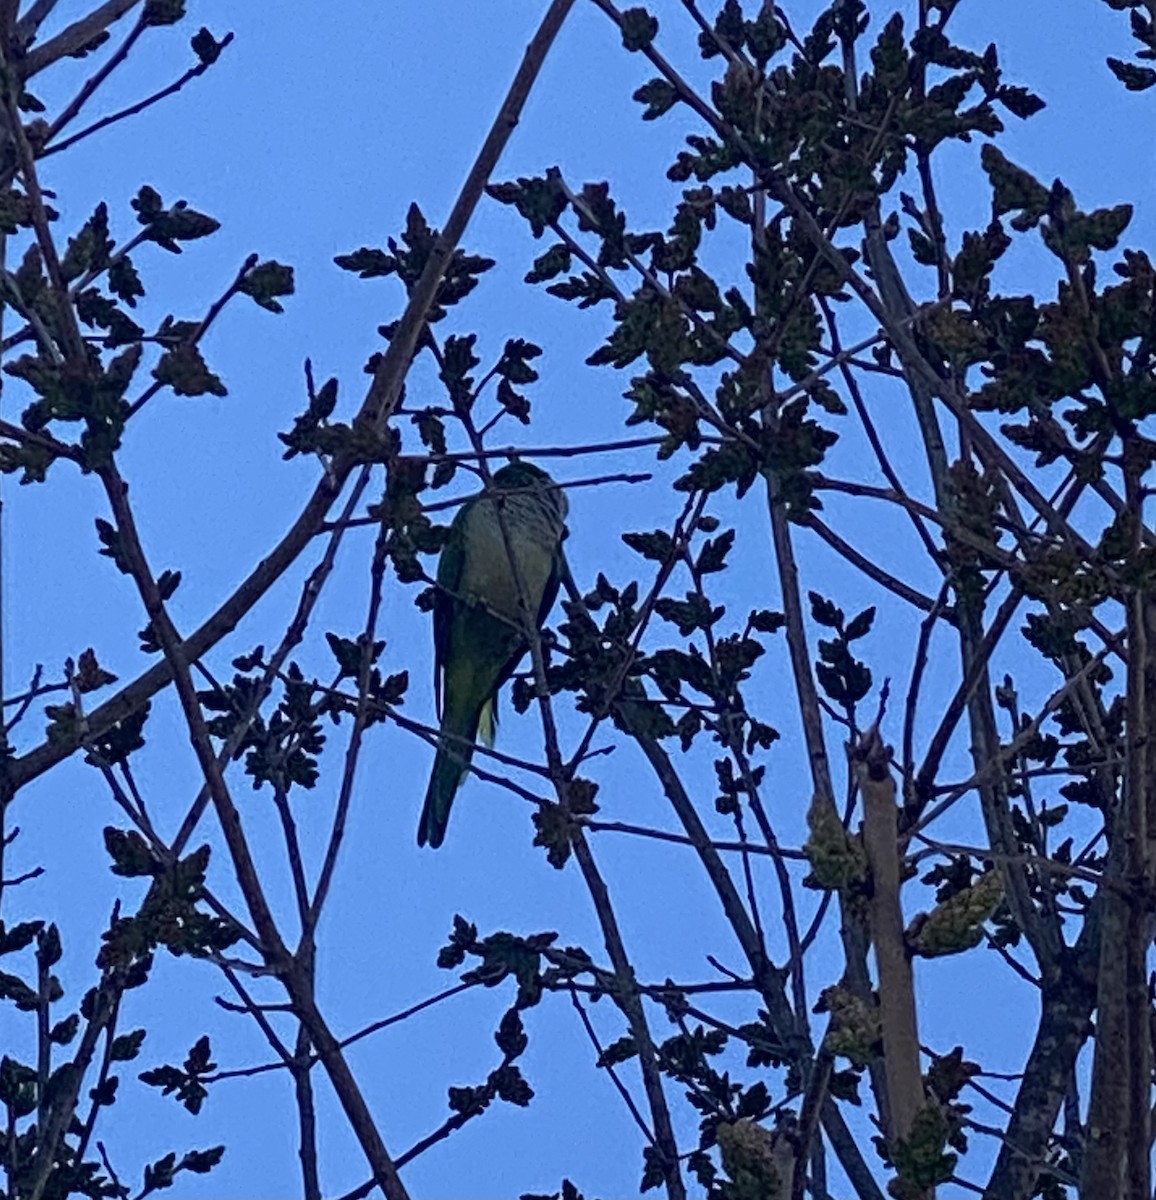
[75,37]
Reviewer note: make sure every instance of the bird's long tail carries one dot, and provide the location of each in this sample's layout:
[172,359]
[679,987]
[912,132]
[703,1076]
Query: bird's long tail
[450,768]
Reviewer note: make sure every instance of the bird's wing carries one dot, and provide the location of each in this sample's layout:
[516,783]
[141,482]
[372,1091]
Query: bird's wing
[559,569]
[450,566]
[550,595]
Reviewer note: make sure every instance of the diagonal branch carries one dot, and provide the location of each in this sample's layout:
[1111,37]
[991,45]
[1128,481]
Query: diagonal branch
[76,36]
[383,397]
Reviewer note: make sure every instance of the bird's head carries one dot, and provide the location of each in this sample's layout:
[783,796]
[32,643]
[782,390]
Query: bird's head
[520,475]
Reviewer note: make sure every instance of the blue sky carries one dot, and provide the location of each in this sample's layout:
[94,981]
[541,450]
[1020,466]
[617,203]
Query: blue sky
[308,139]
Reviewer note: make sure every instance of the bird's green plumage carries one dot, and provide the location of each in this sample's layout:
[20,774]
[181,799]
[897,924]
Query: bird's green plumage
[479,630]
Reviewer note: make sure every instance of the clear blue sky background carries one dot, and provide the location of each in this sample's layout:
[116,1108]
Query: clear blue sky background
[309,139]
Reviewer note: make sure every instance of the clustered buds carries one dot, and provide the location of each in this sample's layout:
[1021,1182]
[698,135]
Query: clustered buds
[837,857]
[855,1030]
[759,1162]
[957,923]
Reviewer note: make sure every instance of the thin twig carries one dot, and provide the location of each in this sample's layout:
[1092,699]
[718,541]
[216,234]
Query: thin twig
[134,109]
[870,568]
[88,89]
[622,1089]
[78,34]
[682,839]
[312,912]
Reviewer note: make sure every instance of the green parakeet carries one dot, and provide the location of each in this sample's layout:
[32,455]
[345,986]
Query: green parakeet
[479,635]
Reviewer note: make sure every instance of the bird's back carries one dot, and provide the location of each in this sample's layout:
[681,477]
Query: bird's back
[533,524]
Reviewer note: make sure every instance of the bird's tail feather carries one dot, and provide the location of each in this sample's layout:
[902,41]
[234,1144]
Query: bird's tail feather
[447,775]
[488,722]
[450,767]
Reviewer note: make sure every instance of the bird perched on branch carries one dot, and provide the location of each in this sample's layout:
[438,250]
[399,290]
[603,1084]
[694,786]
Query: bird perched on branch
[500,567]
